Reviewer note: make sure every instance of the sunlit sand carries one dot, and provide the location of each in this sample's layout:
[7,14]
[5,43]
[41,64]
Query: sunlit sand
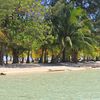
[33,68]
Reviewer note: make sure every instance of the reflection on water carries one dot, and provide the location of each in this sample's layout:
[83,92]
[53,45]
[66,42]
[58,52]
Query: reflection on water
[74,85]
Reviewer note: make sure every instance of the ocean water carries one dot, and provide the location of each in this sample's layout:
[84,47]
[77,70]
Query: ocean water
[73,85]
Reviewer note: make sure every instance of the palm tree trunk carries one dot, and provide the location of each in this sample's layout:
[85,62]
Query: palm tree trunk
[28,57]
[32,56]
[22,58]
[10,58]
[15,56]
[64,55]
[52,59]
[1,54]
[74,56]
[87,59]
[6,58]
[41,58]
[6,48]
[45,55]
[68,59]
[84,58]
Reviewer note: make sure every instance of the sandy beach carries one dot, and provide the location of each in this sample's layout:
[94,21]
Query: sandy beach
[38,69]
[34,68]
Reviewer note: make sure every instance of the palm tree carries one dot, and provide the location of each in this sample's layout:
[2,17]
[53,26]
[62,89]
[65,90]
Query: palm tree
[72,27]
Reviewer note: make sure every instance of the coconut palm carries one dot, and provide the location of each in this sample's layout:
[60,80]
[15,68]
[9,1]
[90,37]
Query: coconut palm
[72,27]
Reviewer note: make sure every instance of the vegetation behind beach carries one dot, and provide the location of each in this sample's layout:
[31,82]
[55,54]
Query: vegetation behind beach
[62,31]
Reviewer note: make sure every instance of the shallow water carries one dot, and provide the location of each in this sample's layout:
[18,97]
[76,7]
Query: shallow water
[74,85]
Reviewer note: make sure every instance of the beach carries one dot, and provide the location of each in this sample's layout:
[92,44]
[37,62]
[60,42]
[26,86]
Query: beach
[35,68]
[38,69]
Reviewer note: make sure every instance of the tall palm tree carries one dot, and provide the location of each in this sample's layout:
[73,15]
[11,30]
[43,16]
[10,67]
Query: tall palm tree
[73,28]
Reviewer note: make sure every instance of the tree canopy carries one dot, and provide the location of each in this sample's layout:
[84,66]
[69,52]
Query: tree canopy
[58,29]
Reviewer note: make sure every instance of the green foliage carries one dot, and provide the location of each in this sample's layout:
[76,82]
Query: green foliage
[27,25]
[73,27]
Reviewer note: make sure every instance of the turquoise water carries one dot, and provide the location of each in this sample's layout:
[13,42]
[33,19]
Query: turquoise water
[74,85]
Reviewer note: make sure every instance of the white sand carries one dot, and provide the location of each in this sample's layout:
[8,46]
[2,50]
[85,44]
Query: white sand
[39,69]
[45,68]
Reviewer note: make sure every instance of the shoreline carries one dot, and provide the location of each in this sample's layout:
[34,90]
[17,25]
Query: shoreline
[41,68]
